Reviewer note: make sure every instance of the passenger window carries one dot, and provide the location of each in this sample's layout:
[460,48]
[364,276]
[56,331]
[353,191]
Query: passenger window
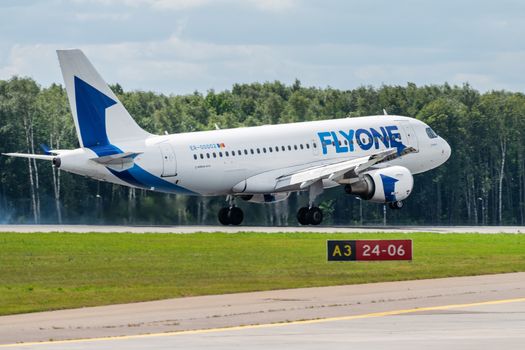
[207,155]
[258,150]
[277,149]
[264,149]
[307,146]
[214,155]
[314,144]
[239,153]
[251,151]
[202,156]
[270,149]
[346,143]
[295,147]
[220,154]
[301,146]
[194,156]
[246,151]
[233,153]
[289,148]
[227,154]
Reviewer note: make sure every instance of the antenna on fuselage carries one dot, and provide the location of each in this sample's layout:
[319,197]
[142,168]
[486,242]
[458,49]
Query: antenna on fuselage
[385,112]
[217,127]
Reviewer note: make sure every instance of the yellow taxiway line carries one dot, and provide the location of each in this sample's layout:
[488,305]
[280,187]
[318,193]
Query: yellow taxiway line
[268,325]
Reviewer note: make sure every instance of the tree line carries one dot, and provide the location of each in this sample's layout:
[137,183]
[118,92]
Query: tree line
[482,183]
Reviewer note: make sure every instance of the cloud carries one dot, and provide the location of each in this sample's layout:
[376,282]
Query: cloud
[273,5]
[36,61]
[179,65]
[96,16]
[171,65]
[179,5]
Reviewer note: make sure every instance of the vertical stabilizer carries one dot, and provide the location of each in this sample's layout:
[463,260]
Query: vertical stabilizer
[100,118]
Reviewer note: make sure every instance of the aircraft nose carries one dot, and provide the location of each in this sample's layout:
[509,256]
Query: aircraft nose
[446,151]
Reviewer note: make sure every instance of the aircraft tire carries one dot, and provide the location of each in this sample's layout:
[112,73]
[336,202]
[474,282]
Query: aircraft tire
[223,216]
[314,216]
[302,216]
[396,205]
[235,216]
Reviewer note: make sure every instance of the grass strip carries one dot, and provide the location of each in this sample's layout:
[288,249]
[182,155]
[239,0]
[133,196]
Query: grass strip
[48,271]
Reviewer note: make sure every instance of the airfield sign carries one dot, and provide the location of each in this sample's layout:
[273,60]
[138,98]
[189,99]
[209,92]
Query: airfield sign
[369,250]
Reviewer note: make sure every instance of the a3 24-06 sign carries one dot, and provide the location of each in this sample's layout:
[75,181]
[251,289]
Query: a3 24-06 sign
[369,250]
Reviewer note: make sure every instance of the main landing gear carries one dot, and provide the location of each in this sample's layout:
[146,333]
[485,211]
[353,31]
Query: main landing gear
[311,215]
[396,205]
[231,215]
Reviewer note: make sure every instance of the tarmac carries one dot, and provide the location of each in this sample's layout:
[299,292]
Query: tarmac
[453,313]
[274,229]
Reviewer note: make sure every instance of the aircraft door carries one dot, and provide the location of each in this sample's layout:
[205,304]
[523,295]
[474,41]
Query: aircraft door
[409,134]
[169,161]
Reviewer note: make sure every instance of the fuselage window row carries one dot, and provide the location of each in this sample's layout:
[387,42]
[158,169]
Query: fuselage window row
[270,149]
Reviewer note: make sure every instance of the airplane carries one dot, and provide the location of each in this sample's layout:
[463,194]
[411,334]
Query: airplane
[373,157]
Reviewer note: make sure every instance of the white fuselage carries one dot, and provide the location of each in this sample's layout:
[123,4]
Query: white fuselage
[218,162]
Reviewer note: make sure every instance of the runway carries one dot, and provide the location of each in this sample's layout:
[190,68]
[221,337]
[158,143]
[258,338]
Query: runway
[498,325]
[453,313]
[265,229]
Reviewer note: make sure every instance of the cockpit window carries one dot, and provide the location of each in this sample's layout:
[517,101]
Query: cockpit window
[431,133]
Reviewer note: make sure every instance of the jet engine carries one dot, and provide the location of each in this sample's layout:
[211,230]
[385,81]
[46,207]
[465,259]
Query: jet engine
[386,185]
[265,198]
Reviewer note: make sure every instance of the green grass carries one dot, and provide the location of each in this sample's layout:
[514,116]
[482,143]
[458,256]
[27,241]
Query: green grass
[63,270]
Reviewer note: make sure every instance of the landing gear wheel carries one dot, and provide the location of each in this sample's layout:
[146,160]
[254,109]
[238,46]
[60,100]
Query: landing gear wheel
[310,216]
[235,216]
[223,216]
[230,216]
[302,216]
[315,216]
[396,205]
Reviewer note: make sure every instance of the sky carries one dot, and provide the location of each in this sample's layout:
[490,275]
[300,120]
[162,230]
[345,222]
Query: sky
[182,46]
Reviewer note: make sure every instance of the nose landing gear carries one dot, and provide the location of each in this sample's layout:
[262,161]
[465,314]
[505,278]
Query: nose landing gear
[311,215]
[396,205]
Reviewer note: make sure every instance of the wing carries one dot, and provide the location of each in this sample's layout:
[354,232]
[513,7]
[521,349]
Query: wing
[342,172]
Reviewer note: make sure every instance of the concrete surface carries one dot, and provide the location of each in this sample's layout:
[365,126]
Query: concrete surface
[486,326]
[234,229]
[475,324]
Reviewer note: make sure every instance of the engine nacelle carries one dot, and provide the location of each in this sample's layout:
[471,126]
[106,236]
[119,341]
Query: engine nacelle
[265,198]
[386,185]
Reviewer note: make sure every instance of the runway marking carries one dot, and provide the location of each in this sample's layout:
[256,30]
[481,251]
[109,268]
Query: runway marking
[269,325]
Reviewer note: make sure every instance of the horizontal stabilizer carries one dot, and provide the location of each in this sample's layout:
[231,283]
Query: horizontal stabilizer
[28,155]
[118,162]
